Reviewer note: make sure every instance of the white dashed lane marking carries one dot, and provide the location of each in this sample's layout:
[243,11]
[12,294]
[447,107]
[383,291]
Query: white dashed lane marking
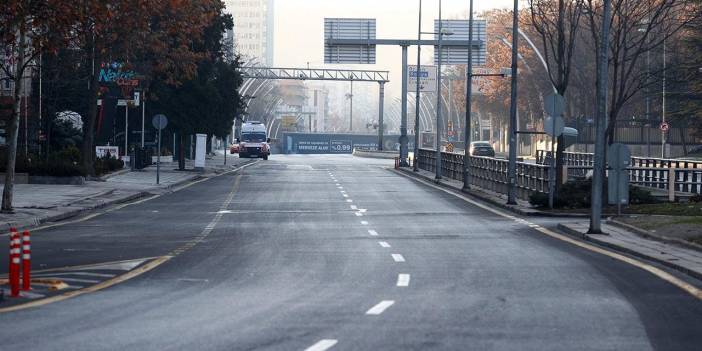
[398,258]
[403,280]
[321,345]
[383,244]
[380,307]
[372,232]
[364,222]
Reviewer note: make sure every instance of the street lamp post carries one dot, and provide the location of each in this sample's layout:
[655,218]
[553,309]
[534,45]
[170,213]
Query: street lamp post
[438,100]
[415,165]
[512,166]
[469,96]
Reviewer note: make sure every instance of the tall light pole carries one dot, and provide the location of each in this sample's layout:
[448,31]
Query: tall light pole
[438,100]
[663,111]
[351,109]
[415,166]
[600,123]
[469,97]
[512,167]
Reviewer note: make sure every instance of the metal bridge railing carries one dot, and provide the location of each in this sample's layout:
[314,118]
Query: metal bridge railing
[487,172]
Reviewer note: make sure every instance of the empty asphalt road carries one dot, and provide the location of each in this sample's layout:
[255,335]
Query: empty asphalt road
[336,252]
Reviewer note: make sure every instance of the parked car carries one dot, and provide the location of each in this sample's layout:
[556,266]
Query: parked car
[481,148]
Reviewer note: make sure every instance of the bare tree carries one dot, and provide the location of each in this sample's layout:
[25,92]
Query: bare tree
[557,22]
[637,27]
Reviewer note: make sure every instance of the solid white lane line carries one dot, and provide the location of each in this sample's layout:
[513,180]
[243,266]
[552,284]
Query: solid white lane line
[354,207]
[321,345]
[380,308]
[403,280]
[372,232]
[364,222]
[383,243]
[398,258]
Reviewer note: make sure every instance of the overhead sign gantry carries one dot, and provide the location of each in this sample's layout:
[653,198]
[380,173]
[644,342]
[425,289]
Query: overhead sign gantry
[353,41]
[346,75]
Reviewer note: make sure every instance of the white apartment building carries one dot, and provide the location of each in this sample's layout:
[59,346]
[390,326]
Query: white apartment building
[254,22]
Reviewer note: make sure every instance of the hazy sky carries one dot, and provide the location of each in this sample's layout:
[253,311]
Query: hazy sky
[299,30]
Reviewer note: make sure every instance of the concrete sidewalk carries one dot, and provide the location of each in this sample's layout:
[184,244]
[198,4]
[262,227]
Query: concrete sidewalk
[38,203]
[683,258]
[678,257]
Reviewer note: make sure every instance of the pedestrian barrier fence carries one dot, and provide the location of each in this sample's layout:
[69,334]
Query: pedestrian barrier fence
[673,176]
[488,173]
[684,176]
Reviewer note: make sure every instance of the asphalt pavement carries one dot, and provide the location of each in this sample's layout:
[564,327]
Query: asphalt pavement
[336,252]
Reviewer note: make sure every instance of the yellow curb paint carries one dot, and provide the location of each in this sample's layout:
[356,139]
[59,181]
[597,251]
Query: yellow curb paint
[106,284]
[688,288]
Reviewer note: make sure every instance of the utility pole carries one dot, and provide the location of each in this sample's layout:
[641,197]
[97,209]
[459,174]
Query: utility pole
[512,167]
[417,95]
[438,100]
[663,112]
[143,116]
[351,109]
[403,116]
[600,123]
[469,102]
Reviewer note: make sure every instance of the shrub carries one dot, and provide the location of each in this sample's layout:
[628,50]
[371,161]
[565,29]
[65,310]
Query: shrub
[107,164]
[577,194]
[57,168]
[538,199]
[639,196]
[696,198]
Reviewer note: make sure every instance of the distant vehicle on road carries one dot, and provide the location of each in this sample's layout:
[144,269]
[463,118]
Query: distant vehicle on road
[481,148]
[253,142]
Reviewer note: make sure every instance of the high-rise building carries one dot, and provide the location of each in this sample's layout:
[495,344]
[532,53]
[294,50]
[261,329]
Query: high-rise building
[254,22]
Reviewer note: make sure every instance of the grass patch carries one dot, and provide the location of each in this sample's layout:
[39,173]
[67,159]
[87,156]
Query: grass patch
[668,209]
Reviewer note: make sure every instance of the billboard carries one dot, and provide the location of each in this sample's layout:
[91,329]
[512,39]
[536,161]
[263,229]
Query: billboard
[456,55]
[349,28]
[317,143]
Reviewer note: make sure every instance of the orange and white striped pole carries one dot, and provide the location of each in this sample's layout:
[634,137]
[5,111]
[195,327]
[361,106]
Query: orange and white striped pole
[26,261]
[14,262]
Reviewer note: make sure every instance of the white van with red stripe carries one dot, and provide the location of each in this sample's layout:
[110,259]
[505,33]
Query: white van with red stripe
[254,141]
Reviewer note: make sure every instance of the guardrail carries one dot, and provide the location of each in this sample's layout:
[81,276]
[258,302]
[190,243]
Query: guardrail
[488,173]
[587,159]
[668,174]
[491,174]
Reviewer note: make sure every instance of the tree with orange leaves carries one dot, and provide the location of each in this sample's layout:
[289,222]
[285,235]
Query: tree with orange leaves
[27,28]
